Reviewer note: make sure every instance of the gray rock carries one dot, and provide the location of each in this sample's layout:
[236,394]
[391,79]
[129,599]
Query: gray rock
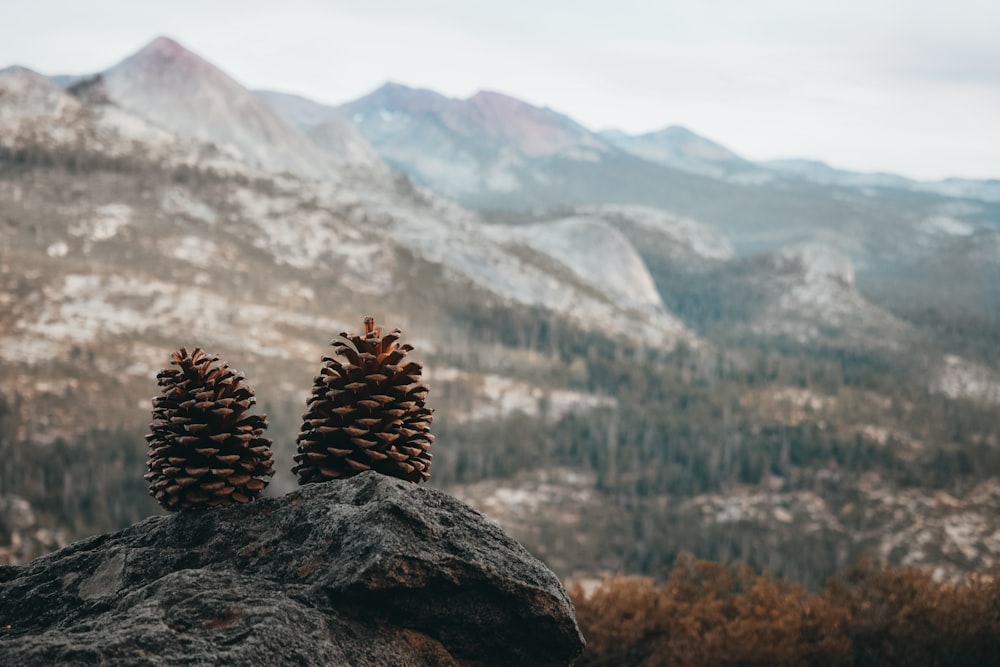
[367,571]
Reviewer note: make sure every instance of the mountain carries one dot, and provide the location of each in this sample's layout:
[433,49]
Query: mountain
[821,172]
[34,106]
[39,120]
[657,234]
[182,93]
[505,156]
[325,126]
[598,254]
[135,230]
[680,148]
[486,143]
[811,298]
[650,347]
[486,118]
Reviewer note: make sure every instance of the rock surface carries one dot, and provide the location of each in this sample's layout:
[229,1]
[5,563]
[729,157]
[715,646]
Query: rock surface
[367,571]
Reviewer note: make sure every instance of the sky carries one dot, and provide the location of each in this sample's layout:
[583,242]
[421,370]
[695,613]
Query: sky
[909,87]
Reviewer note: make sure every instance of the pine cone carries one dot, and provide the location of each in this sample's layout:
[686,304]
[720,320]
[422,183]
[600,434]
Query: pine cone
[367,413]
[204,450]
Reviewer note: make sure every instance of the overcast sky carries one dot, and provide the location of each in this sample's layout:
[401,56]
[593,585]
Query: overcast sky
[911,87]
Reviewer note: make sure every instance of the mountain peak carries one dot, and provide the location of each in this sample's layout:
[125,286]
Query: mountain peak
[182,92]
[399,97]
[167,50]
[395,86]
[21,78]
[26,93]
[678,147]
[687,143]
[535,131]
[164,54]
[18,70]
[164,45]
[495,97]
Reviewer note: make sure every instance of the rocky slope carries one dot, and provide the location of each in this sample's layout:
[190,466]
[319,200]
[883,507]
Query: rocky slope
[368,571]
[188,96]
[558,338]
[328,129]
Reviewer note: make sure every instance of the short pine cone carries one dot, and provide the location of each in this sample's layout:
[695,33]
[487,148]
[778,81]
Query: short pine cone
[204,449]
[366,413]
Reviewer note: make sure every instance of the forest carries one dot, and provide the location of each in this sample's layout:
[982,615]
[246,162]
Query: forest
[685,424]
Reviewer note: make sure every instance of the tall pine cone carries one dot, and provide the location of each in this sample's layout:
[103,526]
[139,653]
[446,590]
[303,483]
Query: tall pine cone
[366,413]
[204,449]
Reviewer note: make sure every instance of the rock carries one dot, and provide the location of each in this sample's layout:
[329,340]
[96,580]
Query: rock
[21,539]
[368,571]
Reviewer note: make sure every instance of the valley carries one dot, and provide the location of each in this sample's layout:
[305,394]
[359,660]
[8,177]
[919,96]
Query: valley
[630,355]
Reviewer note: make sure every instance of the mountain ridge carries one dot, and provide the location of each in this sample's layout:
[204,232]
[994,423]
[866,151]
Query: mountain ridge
[185,94]
[788,339]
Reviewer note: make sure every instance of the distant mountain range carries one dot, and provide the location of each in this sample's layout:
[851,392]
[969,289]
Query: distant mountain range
[161,203]
[682,149]
[492,134]
[166,89]
[630,196]
[494,152]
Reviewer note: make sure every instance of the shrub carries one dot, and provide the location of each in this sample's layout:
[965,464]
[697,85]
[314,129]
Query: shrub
[707,613]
